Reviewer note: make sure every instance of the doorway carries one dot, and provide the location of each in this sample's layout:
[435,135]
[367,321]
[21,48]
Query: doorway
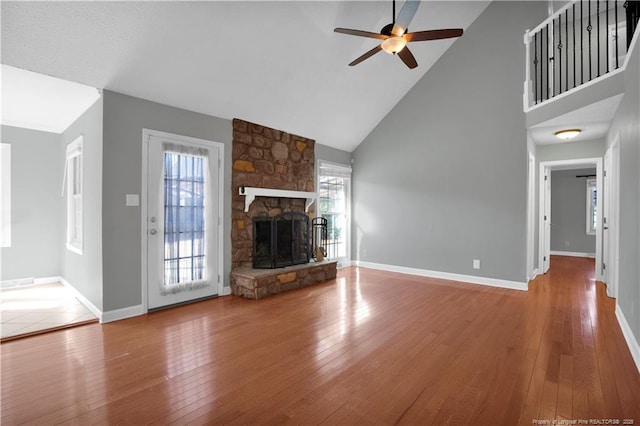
[545,217]
[182,227]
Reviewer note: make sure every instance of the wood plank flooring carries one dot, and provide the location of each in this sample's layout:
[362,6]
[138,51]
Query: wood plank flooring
[368,347]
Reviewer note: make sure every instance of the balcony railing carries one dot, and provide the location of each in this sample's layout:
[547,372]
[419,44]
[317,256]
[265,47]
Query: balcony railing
[581,42]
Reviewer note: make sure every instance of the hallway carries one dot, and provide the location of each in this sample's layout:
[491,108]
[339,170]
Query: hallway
[583,367]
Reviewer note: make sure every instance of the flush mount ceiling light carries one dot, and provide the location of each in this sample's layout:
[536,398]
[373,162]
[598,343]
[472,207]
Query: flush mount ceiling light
[567,134]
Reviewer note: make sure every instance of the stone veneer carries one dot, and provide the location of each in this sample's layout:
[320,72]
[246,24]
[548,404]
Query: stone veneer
[265,158]
[258,283]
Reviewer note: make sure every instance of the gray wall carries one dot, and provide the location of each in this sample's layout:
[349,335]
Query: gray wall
[84,272]
[571,150]
[442,179]
[334,155]
[37,215]
[627,124]
[569,212]
[124,119]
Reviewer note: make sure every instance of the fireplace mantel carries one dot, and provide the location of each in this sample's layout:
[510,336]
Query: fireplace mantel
[251,193]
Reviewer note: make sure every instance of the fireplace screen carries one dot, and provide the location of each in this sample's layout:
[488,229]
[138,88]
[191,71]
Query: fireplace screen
[280,241]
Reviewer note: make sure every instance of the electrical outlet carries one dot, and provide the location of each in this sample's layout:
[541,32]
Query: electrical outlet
[567,244]
[476,263]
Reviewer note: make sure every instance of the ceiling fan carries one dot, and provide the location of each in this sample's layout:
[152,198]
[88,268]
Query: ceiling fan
[395,35]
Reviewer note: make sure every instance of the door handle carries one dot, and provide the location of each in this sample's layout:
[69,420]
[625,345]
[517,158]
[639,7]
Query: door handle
[153,232]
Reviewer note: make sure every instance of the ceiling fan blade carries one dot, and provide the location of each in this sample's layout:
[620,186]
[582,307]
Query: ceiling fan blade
[408,58]
[367,55]
[360,33]
[434,34]
[405,16]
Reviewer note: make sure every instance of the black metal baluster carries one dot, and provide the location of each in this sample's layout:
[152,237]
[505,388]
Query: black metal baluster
[598,34]
[566,50]
[560,53]
[548,59]
[633,15]
[630,28]
[574,44]
[541,94]
[581,44]
[553,58]
[535,67]
[589,28]
[615,8]
[607,27]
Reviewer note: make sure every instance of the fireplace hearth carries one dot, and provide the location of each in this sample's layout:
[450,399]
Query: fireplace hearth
[280,241]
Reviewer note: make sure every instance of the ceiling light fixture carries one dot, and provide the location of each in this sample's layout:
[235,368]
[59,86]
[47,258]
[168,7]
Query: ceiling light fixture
[567,134]
[393,45]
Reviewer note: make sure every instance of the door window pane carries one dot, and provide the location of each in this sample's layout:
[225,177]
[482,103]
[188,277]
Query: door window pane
[184,213]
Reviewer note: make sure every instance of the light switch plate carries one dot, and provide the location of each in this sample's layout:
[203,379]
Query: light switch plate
[133,200]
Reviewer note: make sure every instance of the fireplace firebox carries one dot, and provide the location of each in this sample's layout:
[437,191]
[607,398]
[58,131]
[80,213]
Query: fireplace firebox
[280,241]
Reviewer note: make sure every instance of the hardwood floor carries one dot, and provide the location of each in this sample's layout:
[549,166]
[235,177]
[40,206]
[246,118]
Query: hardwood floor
[368,347]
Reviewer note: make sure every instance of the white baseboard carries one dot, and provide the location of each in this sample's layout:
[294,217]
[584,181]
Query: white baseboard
[534,274]
[628,336]
[345,264]
[93,308]
[119,314]
[493,282]
[634,348]
[572,254]
[225,291]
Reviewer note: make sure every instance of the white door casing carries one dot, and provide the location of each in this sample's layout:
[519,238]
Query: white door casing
[611,215]
[155,289]
[531,199]
[546,257]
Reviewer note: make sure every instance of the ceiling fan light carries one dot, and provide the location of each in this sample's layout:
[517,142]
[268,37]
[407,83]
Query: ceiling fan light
[567,134]
[393,45]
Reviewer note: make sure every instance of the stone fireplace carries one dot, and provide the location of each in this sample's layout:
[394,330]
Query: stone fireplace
[278,163]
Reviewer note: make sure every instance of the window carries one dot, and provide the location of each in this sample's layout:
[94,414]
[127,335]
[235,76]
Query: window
[73,174]
[334,189]
[5,195]
[592,206]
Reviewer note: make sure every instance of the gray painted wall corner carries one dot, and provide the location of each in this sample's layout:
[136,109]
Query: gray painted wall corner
[84,272]
[442,179]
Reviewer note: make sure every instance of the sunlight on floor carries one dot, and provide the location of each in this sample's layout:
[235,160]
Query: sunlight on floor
[28,309]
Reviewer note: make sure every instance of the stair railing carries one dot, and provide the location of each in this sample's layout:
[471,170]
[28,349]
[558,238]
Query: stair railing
[581,42]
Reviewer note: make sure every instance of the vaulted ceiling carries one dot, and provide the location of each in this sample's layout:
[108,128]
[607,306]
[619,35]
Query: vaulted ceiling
[275,63]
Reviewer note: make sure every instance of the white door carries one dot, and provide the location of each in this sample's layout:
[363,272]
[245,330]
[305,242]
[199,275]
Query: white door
[182,221]
[547,221]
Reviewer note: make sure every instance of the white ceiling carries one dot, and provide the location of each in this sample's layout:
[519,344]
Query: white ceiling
[275,63]
[594,120]
[39,102]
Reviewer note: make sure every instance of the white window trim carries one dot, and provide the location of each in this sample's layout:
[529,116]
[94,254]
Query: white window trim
[346,171]
[591,185]
[5,190]
[74,149]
